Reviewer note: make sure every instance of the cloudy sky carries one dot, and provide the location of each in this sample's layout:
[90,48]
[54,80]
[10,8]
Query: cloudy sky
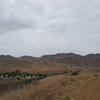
[38,27]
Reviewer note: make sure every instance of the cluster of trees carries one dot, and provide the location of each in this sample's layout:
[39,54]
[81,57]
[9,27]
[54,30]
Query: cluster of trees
[26,75]
[22,75]
[16,74]
[41,75]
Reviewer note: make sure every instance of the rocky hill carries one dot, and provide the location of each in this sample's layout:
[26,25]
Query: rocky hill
[27,63]
[91,60]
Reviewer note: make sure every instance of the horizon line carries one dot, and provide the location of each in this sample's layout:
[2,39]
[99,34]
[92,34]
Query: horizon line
[49,54]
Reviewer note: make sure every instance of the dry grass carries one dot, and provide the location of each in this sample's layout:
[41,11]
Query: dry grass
[40,68]
[82,87]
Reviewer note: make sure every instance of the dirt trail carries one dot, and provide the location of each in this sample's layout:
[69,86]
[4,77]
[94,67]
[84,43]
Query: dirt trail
[89,91]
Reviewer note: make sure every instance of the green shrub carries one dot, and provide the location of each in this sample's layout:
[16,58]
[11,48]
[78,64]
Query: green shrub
[95,75]
[66,98]
[75,73]
[40,75]
[25,82]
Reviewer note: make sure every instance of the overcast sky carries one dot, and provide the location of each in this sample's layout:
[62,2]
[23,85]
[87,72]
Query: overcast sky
[38,27]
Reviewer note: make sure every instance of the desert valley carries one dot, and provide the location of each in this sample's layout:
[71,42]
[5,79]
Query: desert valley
[63,76]
[49,49]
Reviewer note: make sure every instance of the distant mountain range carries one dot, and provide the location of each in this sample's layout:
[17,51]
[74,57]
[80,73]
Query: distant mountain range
[26,63]
[90,60]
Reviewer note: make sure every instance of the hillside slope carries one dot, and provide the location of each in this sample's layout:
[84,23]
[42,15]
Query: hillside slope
[48,62]
[82,87]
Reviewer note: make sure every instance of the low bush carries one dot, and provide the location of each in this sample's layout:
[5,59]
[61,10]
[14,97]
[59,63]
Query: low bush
[25,82]
[41,75]
[95,75]
[66,98]
[75,73]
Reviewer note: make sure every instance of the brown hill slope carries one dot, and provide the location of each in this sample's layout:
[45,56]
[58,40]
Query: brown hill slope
[9,63]
[29,63]
[91,60]
[82,87]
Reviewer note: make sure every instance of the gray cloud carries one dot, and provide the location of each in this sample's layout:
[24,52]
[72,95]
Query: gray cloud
[36,27]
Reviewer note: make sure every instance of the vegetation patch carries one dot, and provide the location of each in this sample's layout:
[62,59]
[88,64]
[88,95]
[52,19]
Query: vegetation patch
[95,75]
[75,73]
[25,82]
[15,75]
[40,75]
[66,98]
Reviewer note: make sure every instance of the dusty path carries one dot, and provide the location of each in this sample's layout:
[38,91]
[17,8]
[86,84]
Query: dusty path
[89,91]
